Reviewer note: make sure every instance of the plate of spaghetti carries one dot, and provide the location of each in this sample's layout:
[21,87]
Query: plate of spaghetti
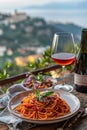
[44,106]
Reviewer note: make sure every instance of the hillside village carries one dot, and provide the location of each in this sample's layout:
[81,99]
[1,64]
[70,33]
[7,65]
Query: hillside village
[15,33]
[22,36]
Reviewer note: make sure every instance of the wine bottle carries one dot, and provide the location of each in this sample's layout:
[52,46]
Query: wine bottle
[80,75]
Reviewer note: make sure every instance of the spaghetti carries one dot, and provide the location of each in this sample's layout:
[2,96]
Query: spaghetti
[50,107]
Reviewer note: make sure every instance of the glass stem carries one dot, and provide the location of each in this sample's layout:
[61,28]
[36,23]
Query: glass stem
[63,69]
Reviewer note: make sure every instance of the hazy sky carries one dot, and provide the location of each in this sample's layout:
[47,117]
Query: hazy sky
[75,15]
[7,3]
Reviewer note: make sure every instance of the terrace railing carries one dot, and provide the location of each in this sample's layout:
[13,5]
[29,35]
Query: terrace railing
[24,75]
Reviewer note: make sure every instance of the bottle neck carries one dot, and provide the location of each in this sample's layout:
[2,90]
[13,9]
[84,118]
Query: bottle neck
[84,42]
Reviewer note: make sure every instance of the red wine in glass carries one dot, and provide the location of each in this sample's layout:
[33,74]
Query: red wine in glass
[63,53]
[63,58]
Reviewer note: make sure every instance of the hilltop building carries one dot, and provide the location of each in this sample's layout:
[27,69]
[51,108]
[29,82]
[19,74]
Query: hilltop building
[17,17]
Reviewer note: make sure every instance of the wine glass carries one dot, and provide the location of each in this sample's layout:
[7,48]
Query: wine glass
[63,53]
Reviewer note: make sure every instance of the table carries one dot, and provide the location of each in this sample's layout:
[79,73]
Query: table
[79,125]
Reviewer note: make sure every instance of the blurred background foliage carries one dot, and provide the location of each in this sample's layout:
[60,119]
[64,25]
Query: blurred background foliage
[8,69]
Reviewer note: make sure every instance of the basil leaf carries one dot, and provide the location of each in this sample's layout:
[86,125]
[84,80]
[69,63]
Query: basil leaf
[38,95]
[41,96]
[46,94]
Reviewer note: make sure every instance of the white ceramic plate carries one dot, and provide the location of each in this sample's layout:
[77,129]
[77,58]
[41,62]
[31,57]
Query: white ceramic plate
[65,87]
[72,101]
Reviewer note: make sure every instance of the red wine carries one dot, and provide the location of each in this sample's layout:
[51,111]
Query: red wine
[63,58]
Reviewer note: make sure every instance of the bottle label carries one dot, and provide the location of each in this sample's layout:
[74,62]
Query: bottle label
[80,79]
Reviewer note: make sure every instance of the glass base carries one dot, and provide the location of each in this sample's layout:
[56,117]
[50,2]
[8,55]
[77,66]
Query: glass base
[65,87]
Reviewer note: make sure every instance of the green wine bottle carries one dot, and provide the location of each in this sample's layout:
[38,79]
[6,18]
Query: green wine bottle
[80,75]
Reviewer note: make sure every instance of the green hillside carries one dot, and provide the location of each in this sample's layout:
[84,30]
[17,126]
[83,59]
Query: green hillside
[34,32]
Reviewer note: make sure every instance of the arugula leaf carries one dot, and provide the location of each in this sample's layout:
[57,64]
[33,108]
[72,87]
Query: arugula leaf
[39,77]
